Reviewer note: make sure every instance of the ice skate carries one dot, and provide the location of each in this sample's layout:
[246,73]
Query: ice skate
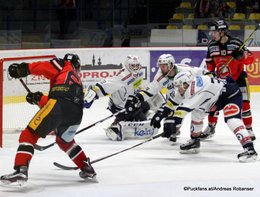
[114,133]
[19,177]
[191,146]
[88,172]
[208,132]
[248,155]
[173,137]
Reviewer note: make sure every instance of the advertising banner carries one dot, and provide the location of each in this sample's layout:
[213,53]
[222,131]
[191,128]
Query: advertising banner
[197,59]
[253,70]
[192,58]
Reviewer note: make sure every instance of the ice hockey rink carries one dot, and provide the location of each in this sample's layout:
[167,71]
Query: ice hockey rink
[153,169]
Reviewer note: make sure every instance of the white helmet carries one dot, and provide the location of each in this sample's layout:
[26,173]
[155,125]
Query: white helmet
[166,59]
[182,78]
[132,64]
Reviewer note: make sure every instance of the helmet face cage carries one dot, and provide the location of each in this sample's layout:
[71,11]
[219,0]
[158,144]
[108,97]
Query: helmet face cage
[73,59]
[166,59]
[132,64]
[182,78]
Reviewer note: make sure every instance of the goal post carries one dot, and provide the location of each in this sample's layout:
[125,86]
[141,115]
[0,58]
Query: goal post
[14,111]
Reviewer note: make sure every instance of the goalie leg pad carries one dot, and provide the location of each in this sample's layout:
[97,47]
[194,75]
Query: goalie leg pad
[136,129]
[114,132]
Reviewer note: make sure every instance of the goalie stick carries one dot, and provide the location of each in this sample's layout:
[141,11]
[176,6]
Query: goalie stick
[42,148]
[111,155]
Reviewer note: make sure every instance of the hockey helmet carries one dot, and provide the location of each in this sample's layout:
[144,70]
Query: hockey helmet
[73,59]
[218,25]
[132,64]
[166,59]
[182,78]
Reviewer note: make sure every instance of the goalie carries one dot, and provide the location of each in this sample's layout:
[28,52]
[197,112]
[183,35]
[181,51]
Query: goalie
[128,81]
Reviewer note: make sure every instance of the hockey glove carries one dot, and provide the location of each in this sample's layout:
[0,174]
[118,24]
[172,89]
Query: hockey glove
[18,70]
[132,103]
[237,54]
[169,127]
[34,98]
[156,119]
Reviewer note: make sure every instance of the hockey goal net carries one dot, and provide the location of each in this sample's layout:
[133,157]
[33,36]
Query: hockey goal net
[15,111]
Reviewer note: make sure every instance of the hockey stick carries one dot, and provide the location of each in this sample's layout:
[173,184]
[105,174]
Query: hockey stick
[42,148]
[244,43]
[105,157]
[24,85]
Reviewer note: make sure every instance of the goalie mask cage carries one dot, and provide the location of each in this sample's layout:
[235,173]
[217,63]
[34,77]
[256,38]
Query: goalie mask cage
[15,112]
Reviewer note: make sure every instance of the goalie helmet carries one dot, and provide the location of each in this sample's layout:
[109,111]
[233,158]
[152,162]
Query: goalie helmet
[182,78]
[73,59]
[166,59]
[132,64]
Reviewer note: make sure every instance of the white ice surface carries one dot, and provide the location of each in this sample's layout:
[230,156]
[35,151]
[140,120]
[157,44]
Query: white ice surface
[153,169]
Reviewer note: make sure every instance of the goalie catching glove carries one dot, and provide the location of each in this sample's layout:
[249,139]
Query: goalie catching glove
[34,98]
[133,102]
[18,70]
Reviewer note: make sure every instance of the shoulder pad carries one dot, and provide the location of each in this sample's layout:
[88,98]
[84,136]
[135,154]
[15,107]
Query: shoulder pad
[58,63]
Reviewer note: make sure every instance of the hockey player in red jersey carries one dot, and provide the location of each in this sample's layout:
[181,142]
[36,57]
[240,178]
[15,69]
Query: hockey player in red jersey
[221,49]
[61,111]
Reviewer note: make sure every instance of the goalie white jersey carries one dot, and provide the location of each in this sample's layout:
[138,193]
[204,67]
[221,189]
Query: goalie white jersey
[120,86]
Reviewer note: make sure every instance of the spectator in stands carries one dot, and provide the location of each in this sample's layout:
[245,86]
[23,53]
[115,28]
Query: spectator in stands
[66,13]
[256,6]
[203,8]
[214,8]
[241,6]
[223,10]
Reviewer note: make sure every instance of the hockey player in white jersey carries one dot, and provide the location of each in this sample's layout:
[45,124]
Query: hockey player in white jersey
[127,82]
[163,79]
[201,95]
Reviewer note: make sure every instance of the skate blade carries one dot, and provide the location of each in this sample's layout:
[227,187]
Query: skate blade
[92,179]
[190,151]
[248,159]
[206,138]
[17,184]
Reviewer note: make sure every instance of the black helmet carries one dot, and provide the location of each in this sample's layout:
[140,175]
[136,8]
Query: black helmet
[73,59]
[218,25]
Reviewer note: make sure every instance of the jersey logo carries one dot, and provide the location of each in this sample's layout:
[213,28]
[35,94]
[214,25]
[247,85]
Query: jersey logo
[164,83]
[231,110]
[199,82]
[170,86]
[137,83]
